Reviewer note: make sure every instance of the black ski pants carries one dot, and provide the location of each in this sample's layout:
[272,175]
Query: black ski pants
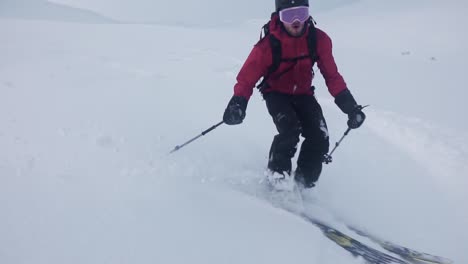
[294,115]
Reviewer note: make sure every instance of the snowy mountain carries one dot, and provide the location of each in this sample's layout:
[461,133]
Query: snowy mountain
[45,10]
[202,13]
[93,99]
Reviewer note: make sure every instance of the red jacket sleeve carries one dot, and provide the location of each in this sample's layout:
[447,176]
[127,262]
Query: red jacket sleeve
[253,69]
[326,64]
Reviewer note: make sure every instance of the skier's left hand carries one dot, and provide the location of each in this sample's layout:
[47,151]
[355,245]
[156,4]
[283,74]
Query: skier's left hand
[356,117]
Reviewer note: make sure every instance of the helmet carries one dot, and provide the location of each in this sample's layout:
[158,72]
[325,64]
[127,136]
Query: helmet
[283,4]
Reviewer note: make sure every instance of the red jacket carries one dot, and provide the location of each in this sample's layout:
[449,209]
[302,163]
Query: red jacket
[299,79]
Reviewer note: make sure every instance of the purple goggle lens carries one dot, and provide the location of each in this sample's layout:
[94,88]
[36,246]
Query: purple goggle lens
[290,15]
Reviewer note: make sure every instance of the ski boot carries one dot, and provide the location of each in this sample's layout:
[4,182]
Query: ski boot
[280,181]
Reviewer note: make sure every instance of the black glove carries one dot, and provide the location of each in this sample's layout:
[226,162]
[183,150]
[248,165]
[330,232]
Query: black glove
[235,110]
[348,105]
[356,117]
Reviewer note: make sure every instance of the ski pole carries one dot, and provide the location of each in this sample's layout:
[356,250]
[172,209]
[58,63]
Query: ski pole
[195,138]
[328,157]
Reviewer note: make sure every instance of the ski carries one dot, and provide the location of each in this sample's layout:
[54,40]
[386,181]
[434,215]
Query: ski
[404,252]
[356,248]
[291,200]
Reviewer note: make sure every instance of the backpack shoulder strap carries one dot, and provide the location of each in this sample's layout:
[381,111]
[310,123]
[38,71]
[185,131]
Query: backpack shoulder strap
[312,40]
[275,45]
[265,31]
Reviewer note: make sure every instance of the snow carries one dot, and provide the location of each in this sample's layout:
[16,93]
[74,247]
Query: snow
[41,9]
[188,13]
[92,101]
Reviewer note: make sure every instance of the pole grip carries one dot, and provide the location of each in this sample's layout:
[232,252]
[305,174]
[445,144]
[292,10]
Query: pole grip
[347,131]
[212,128]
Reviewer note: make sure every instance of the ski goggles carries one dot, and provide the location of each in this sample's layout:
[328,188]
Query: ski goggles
[293,14]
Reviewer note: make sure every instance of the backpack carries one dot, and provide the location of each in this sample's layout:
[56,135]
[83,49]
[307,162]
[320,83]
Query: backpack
[276,51]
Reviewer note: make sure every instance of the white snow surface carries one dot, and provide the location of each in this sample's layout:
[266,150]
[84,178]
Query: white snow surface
[92,99]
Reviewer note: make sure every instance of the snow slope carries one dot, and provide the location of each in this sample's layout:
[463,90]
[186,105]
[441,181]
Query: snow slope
[45,10]
[201,13]
[90,111]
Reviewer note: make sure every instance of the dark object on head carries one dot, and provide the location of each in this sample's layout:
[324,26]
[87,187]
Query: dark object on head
[283,4]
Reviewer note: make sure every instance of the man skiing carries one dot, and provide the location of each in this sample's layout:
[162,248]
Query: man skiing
[284,58]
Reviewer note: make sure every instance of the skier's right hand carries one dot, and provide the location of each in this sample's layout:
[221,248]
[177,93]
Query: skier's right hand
[235,110]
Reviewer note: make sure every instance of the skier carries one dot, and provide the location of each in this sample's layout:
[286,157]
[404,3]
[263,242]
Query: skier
[284,58]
